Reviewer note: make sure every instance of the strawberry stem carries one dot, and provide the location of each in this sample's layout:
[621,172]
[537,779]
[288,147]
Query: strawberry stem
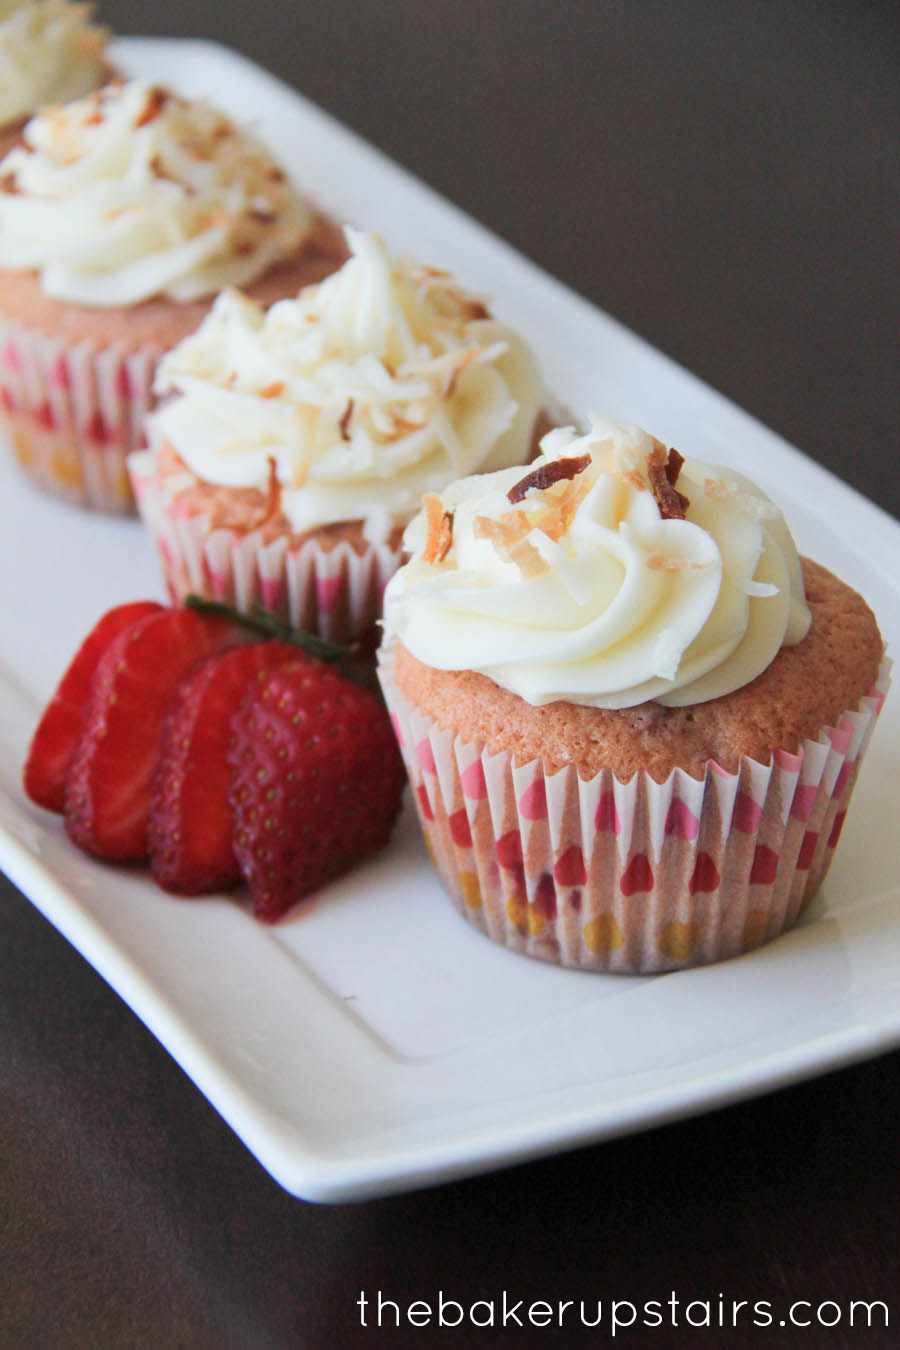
[268,625]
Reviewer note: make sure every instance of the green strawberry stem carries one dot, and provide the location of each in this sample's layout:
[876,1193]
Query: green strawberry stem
[348,661]
[268,625]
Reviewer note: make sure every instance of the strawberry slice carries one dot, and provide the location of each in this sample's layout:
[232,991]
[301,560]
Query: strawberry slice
[53,743]
[317,784]
[191,823]
[108,789]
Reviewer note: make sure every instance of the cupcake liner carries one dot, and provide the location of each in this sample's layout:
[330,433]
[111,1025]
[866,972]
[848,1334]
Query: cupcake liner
[333,591]
[630,877]
[73,414]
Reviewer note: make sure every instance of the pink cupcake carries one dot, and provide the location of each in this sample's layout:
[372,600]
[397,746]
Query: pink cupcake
[631,717]
[50,52]
[121,217]
[296,444]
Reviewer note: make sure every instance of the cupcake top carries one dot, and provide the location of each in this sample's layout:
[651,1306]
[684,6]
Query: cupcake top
[365,392]
[609,574]
[135,192]
[49,52]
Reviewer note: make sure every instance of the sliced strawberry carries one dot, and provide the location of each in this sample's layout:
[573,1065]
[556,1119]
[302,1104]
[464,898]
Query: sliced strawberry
[318,782]
[108,789]
[191,822]
[53,743]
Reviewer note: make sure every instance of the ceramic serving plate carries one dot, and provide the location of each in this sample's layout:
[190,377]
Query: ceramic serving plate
[373,1042]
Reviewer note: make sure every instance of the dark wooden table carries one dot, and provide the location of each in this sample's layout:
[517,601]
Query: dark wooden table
[723,177]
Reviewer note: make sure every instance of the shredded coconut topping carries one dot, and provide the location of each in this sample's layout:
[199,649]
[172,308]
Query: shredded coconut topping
[594,579]
[49,52]
[134,191]
[371,389]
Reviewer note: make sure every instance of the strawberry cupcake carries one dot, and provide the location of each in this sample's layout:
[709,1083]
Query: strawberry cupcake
[294,445]
[50,52]
[122,215]
[632,716]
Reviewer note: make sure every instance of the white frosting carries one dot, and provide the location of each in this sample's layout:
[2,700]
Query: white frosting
[378,385]
[49,52]
[134,192]
[599,600]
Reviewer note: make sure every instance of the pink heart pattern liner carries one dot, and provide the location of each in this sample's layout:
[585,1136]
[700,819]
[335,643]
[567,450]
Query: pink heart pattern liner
[75,414]
[335,592]
[630,877]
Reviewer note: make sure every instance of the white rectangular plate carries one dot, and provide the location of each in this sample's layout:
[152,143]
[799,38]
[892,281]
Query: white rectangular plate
[374,1042]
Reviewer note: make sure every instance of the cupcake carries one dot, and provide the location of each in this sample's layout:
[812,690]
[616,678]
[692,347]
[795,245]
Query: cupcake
[631,715]
[50,52]
[296,443]
[121,217]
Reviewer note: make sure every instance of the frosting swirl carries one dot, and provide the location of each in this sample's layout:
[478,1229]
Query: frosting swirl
[382,383]
[49,51]
[134,192]
[589,589]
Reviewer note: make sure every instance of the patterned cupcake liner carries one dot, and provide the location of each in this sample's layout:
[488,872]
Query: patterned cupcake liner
[630,877]
[333,591]
[73,414]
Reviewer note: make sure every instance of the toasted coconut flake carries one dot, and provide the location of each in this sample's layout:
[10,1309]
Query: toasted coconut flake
[434,510]
[156,100]
[715,489]
[402,426]
[611,464]
[529,561]
[438,288]
[440,529]
[498,531]
[519,522]
[663,471]
[306,415]
[546,475]
[446,536]
[252,508]
[344,421]
[549,520]
[306,420]
[465,359]
[509,535]
[604,456]
[299,471]
[658,562]
[674,465]
[555,518]
[215,218]
[757,508]
[272,506]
